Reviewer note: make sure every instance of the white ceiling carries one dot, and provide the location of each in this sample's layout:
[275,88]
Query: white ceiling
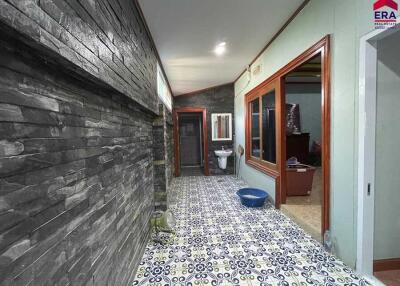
[186,32]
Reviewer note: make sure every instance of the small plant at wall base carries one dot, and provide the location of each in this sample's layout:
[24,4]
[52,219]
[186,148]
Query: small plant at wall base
[162,222]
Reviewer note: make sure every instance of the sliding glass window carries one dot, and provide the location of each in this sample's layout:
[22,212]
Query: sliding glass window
[261,135]
[268,129]
[255,128]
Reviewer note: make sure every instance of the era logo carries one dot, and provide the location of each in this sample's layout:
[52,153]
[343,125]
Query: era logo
[384,15]
[385,12]
[385,3]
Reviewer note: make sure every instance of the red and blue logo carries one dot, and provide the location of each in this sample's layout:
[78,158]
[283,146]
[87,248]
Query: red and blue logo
[385,13]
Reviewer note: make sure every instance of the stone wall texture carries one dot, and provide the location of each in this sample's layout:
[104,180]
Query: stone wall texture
[77,104]
[216,100]
[163,156]
[169,146]
[105,40]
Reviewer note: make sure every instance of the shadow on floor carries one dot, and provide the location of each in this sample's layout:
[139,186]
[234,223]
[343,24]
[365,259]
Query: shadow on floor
[191,171]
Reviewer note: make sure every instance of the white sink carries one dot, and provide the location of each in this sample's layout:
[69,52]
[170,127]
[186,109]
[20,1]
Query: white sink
[222,157]
[223,153]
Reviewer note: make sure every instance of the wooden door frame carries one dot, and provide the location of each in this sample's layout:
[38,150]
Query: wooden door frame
[321,47]
[177,158]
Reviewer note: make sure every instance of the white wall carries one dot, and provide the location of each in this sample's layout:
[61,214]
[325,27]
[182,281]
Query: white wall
[387,179]
[346,21]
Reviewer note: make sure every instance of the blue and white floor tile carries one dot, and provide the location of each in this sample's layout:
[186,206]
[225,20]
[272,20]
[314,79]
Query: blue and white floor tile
[220,242]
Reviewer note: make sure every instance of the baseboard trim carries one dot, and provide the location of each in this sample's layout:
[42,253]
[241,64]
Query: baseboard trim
[386,264]
[373,280]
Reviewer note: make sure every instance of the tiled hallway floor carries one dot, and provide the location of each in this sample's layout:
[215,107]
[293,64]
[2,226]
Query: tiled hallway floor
[220,242]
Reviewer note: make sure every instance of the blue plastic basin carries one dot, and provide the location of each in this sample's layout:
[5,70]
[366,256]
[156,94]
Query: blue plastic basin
[253,198]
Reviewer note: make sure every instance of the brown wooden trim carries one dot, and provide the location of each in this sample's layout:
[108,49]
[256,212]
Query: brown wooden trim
[326,127]
[196,92]
[386,264]
[304,82]
[323,47]
[175,115]
[298,10]
[262,168]
[205,136]
[299,60]
[268,168]
[277,188]
[137,4]
[280,196]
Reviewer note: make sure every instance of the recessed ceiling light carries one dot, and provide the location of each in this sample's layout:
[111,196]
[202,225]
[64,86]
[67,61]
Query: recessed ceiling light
[220,49]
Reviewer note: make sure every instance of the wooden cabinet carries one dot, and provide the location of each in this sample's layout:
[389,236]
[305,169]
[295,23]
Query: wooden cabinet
[298,145]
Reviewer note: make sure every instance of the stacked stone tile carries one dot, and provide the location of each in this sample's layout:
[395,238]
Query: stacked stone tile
[77,104]
[163,156]
[104,39]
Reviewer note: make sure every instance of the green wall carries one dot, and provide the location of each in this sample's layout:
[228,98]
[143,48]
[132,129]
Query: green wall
[346,21]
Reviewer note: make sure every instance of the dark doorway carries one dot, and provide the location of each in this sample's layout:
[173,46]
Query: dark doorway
[191,142]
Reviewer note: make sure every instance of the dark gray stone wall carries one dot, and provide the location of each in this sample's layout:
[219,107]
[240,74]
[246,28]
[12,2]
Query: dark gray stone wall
[104,39]
[76,152]
[163,156]
[169,146]
[160,194]
[217,100]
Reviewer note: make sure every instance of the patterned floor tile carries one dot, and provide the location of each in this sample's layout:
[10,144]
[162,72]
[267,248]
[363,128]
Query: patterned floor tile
[220,242]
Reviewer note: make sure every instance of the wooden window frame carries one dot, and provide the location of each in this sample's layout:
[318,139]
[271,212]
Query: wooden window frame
[269,168]
[322,47]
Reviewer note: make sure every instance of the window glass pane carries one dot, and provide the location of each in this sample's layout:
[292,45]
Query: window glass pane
[255,129]
[268,127]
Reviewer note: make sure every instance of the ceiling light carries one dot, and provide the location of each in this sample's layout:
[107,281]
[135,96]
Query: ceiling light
[220,49]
